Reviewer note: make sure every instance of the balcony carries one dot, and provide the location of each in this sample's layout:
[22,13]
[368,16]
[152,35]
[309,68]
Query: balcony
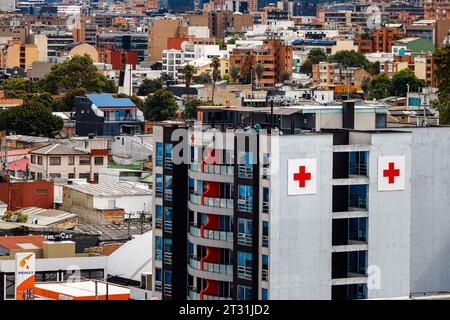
[245,239]
[245,205]
[168,226]
[265,275]
[211,267]
[245,171]
[158,223]
[213,169]
[244,272]
[168,257]
[193,295]
[265,207]
[265,241]
[211,202]
[211,234]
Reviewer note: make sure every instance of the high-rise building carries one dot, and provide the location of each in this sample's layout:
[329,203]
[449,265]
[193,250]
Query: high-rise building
[338,214]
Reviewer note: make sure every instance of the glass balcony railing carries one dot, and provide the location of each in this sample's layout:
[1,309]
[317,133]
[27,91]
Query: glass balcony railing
[213,169]
[211,202]
[211,234]
[244,272]
[245,239]
[245,205]
[245,171]
[265,241]
[265,207]
[193,295]
[211,267]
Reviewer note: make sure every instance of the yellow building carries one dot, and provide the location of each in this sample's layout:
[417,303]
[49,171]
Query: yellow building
[19,55]
[204,66]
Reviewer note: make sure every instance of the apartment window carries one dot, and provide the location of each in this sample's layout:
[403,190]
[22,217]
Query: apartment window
[265,202]
[54,175]
[71,161]
[39,176]
[158,185]
[158,274]
[158,248]
[159,154]
[244,292]
[244,265]
[39,160]
[71,176]
[245,232]
[158,216]
[95,176]
[265,234]
[245,198]
[85,161]
[55,161]
[264,294]
[98,161]
[265,268]
[245,165]
[33,159]
[169,163]
[168,188]
[85,175]
[168,219]
[168,251]
[168,282]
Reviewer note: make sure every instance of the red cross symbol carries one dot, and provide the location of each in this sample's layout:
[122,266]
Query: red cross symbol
[302,176]
[391,173]
[192,138]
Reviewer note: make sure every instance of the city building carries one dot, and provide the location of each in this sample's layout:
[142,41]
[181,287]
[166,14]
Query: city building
[105,115]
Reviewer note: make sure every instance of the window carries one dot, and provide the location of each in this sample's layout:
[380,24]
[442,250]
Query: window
[71,176]
[265,234]
[245,198]
[39,176]
[95,176]
[85,175]
[71,161]
[159,154]
[158,216]
[264,294]
[244,265]
[158,185]
[168,251]
[55,161]
[98,161]
[169,163]
[39,160]
[265,268]
[33,159]
[85,160]
[168,219]
[265,202]
[54,175]
[158,248]
[167,282]
[245,232]
[168,188]
[244,292]
[245,165]
[158,274]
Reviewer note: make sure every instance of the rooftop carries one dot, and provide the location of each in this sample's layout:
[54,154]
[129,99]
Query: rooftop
[107,100]
[57,149]
[119,189]
[22,242]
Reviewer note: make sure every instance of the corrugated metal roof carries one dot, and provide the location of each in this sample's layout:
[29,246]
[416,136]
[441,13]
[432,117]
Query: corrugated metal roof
[106,100]
[118,189]
[57,149]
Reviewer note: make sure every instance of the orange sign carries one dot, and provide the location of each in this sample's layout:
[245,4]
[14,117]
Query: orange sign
[25,275]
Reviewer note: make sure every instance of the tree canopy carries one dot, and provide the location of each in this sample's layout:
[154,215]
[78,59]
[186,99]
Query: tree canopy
[160,106]
[149,86]
[77,72]
[18,88]
[441,73]
[381,86]
[315,56]
[351,58]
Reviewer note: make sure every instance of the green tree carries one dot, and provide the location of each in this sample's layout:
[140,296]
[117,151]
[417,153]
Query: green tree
[67,103]
[160,106]
[285,76]
[190,108]
[259,70]
[315,56]
[77,72]
[351,59]
[234,73]
[380,87]
[404,78]
[441,58]
[202,78]
[19,216]
[246,72]
[34,118]
[216,74]
[149,86]
[18,88]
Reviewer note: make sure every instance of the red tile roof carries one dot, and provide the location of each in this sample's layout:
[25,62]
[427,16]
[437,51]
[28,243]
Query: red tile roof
[20,165]
[14,242]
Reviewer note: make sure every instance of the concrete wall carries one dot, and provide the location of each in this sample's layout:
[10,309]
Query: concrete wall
[139,148]
[300,226]
[131,205]
[389,220]
[430,218]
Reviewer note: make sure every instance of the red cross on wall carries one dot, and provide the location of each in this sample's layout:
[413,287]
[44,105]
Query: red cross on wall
[302,176]
[391,173]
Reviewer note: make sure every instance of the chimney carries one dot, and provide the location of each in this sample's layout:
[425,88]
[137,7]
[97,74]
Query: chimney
[348,114]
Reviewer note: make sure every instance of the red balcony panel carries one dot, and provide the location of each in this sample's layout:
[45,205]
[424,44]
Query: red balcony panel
[211,289]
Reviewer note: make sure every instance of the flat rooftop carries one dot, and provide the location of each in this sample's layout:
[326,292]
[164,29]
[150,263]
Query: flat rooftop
[118,189]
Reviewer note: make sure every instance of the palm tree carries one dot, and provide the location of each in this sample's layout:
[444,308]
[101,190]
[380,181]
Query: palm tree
[259,69]
[188,72]
[216,73]
[234,73]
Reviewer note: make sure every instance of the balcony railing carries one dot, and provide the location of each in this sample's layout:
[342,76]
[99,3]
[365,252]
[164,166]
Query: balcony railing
[158,192]
[265,241]
[168,289]
[245,205]
[168,195]
[265,207]
[158,223]
[158,285]
[213,169]
[193,295]
[211,234]
[245,239]
[211,202]
[245,171]
[265,275]
[169,163]
[168,257]
[244,272]
[265,173]
[211,267]
[358,169]
[158,254]
[168,226]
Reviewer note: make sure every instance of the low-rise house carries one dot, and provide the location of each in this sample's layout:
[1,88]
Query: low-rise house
[56,161]
[106,203]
